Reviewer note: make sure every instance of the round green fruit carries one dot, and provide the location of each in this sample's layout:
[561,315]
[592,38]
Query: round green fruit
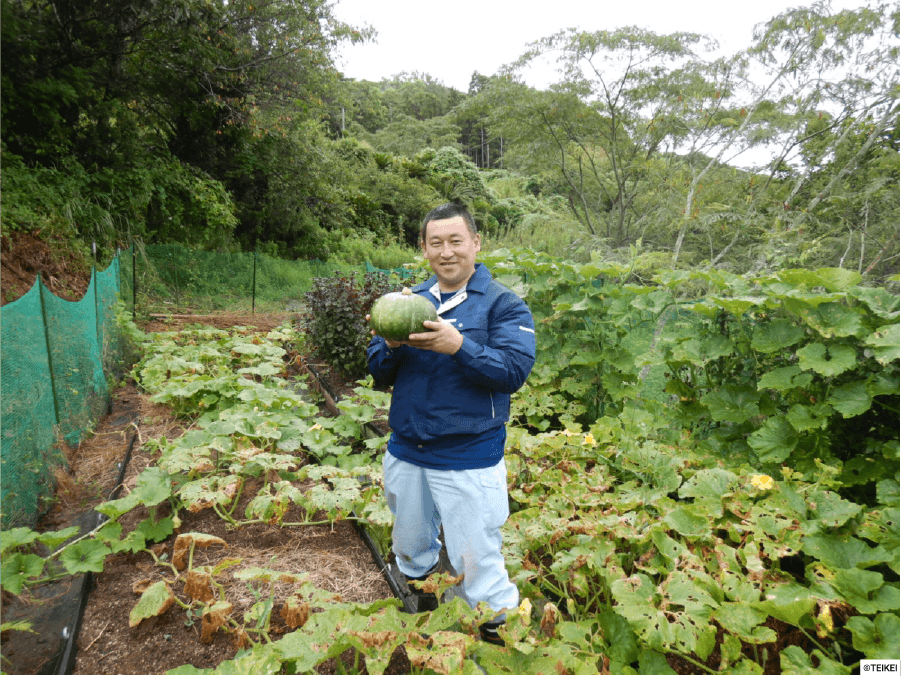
[396,315]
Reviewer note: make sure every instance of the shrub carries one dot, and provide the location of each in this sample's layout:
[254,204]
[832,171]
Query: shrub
[336,325]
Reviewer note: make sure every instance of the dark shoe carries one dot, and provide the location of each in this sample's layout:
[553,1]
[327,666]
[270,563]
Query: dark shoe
[424,601]
[489,633]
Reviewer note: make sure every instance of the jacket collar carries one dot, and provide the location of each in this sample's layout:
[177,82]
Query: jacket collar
[478,284]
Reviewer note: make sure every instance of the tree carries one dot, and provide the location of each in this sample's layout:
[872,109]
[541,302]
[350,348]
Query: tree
[625,97]
[641,130]
[807,62]
[164,103]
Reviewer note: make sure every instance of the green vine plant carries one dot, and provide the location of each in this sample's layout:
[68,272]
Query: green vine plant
[706,477]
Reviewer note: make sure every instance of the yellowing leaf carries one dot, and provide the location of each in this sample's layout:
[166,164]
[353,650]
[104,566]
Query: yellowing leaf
[155,601]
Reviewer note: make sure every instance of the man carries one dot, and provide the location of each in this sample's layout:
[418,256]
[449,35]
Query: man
[451,400]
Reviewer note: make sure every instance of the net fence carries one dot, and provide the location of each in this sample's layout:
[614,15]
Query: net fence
[172,277]
[54,359]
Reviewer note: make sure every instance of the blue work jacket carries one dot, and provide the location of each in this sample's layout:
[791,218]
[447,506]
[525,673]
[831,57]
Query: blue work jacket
[436,396]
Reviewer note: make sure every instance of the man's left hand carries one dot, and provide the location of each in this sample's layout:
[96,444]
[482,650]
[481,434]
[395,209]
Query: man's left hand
[442,338]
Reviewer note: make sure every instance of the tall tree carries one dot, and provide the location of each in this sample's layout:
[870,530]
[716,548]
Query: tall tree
[162,103]
[625,97]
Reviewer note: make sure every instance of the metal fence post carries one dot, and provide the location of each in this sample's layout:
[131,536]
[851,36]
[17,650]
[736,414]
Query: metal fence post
[47,346]
[253,302]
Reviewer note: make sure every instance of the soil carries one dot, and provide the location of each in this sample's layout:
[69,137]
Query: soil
[25,255]
[335,556]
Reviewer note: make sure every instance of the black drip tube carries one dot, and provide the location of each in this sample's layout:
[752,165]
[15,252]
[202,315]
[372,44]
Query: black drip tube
[66,659]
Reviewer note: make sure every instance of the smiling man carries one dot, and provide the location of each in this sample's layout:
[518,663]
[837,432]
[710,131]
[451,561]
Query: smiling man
[449,408]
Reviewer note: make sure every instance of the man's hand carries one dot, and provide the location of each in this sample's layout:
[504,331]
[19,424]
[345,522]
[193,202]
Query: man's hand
[441,338]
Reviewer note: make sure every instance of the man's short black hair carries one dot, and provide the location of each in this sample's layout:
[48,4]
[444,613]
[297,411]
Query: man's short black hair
[448,210]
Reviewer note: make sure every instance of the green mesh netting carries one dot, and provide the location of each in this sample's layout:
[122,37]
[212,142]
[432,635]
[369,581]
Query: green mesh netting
[182,275]
[52,357]
[402,272]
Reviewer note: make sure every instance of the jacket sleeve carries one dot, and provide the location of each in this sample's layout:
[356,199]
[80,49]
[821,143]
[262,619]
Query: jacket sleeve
[504,363]
[383,361]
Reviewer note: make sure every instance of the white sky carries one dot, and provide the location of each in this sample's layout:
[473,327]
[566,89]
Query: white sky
[451,40]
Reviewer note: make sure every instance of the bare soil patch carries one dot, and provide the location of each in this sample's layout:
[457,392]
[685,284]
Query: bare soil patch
[25,255]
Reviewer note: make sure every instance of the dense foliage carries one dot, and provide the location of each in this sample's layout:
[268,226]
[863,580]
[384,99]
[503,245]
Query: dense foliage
[228,126]
[706,480]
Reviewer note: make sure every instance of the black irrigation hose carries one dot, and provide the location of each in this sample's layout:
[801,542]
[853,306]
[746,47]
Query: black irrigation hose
[408,600]
[66,662]
[336,398]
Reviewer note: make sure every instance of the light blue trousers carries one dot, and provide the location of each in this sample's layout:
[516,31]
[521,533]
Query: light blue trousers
[472,507]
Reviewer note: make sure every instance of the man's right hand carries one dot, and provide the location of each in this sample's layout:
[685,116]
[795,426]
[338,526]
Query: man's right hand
[391,344]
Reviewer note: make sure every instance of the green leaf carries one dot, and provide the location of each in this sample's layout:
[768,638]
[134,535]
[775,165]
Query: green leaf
[809,418]
[710,484]
[154,486]
[744,621]
[688,522]
[877,639]
[651,662]
[621,640]
[793,660]
[831,510]
[888,492]
[120,506]
[886,342]
[154,531]
[735,404]
[17,568]
[738,304]
[787,602]
[851,399]
[13,538]
[785,378]
[776,335]
[53,539]
[883,303]
[775,440]
[843,551]
[833,361]
[834,319]
[800,277]
[154,602]
[18,626]
[84,556]
[838,279]
[866,591]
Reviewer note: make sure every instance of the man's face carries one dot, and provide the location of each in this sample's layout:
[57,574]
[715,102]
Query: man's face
[451,251]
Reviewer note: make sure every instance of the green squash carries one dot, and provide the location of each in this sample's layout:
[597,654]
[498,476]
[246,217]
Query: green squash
[396,315]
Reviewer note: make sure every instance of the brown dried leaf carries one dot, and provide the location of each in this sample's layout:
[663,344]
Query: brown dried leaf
[138,587]
[199,586]
[439,582]
[371,639]
[549,620]
[202,465]
[241,640]
[443,652]
[296,612]
[214,618]
[183,546]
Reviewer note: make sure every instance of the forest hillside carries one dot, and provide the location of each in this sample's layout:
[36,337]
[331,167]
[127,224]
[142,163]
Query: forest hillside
[227,126]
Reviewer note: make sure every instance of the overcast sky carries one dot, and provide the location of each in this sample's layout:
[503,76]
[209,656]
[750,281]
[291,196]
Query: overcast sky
[451,40]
